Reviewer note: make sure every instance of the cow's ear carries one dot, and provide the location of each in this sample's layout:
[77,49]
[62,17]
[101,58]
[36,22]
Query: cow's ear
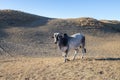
[65,35]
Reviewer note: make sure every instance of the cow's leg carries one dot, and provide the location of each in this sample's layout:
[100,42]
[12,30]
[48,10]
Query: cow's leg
[83,46]
[83,52]
[65,56]
[76,52]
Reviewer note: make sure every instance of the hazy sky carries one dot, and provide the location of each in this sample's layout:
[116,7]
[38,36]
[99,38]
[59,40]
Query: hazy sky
[99,9]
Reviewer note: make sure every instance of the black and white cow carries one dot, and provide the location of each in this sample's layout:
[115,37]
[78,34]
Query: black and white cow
[65,43]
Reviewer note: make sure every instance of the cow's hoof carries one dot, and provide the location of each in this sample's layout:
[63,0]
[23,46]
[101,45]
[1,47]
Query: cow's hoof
[67,59]
[82,57]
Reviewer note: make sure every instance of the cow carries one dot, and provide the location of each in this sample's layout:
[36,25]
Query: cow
[65,43]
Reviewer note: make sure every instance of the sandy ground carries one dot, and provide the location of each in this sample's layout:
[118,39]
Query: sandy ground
[101,62]
[54,69]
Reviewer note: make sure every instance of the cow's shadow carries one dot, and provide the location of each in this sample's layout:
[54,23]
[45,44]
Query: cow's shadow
[108,59]
[97,59]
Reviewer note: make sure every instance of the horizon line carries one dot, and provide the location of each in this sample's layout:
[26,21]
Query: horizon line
[62,17]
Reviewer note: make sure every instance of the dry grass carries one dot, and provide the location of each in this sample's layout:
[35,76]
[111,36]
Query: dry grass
[84,22]
[37,58]
[19,18]
[54,69]
[102,62]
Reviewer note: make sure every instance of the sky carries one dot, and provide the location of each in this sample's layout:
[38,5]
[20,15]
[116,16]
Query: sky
[99,9]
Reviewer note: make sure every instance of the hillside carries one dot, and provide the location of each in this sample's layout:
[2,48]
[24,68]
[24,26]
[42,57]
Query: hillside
[24,33]
[18,18]
[27,51]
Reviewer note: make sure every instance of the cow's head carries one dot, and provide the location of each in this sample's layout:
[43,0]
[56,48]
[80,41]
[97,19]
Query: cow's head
[56,37]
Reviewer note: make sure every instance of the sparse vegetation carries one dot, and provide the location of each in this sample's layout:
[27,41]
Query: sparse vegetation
[18,18]
[35,57]
[84,22]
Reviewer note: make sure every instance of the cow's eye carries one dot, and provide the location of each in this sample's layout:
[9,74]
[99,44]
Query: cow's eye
[55,35]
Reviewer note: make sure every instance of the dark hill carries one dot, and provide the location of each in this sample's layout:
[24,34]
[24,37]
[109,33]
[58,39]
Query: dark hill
[18,18]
